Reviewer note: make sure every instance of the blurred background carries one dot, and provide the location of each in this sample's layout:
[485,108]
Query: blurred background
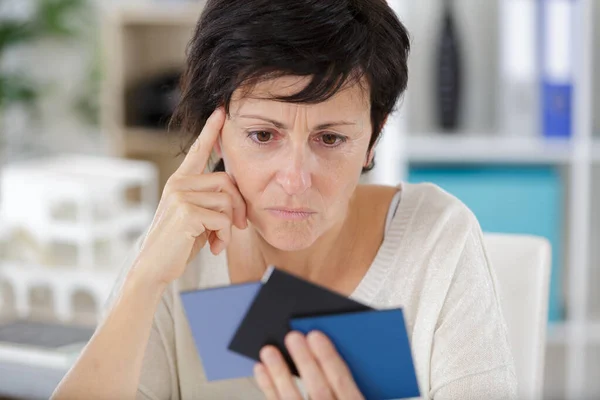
[502,110]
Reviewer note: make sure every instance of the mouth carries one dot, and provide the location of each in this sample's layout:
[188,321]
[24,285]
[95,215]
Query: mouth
[293,214]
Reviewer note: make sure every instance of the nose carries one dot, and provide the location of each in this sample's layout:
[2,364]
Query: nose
[294,174]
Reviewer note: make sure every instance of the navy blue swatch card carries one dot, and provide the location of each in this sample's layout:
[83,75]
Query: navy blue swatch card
[376,348]
[214,315]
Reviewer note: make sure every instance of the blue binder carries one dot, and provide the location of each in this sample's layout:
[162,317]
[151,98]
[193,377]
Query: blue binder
[556,48]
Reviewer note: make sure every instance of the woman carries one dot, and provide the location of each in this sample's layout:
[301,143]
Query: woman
[291,96]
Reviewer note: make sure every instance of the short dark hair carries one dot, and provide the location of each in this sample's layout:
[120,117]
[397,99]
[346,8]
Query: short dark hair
[241,42]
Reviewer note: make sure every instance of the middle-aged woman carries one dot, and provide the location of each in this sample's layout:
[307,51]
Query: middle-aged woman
[291,97]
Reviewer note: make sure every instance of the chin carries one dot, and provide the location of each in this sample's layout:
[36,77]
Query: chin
[289,237]
[289,244]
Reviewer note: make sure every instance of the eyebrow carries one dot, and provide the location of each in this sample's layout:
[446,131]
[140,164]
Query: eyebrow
[283,126]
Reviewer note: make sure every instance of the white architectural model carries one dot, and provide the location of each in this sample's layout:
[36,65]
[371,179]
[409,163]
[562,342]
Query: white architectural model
[66,224]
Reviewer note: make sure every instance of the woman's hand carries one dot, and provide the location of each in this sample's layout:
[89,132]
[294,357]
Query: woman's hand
[323,371]
[195,207]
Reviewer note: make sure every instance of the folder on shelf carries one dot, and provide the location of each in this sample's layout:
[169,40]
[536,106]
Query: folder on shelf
[519,108]
[557,25]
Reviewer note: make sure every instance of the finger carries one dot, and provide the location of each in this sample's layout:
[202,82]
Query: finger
[264,381]
[217,244]
[197,158]
[279,373]
[334,367]
[314,380]
[215,182]
[216,201]
[201,220]
[220,227]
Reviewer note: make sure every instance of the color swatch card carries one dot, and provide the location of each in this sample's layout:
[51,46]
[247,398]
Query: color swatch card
[231,324]
[376,348]
[282,297]
[214,315]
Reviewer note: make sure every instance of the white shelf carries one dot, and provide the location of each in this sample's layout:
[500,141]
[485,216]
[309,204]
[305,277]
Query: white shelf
[60,359]
[596,150]
[561,333]
[593,333]
[486,148]
[557,334]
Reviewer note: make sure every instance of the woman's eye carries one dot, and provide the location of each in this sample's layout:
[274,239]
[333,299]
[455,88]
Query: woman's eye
[331,140]
[262,136]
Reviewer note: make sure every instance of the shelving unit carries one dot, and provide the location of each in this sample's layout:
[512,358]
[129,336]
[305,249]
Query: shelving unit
[480,148]
[133,33]
[574,339]
[139,41]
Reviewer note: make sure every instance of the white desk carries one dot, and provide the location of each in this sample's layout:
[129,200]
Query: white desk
[28,382]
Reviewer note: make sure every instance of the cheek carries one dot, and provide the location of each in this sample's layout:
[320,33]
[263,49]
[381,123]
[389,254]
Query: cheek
[341,182]
[335,183]
[250,175]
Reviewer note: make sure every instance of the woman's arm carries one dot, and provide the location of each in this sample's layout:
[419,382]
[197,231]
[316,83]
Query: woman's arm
[196,208]
[111,363]
[471,356]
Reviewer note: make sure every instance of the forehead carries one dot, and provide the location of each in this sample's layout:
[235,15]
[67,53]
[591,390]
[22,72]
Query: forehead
[352,99]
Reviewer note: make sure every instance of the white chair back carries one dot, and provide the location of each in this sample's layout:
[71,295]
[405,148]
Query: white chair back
[522,265]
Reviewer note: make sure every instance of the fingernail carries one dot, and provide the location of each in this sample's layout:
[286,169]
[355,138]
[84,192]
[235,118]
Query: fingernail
[294,339]
[269,355]
[316,337]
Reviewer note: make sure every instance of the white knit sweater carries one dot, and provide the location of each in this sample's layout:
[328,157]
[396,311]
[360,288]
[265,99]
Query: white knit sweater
[431,262]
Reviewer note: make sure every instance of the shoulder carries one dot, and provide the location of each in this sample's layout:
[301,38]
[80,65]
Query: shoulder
[427,209]
[432,199]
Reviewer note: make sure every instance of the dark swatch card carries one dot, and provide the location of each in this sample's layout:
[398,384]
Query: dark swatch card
[280,299]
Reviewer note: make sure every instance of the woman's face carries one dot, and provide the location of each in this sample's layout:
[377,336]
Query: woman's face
[296,165]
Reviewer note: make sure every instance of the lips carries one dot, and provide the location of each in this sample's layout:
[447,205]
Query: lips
[292,210]
[294,214]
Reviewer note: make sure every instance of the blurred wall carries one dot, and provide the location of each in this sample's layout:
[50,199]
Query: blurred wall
[62,68]
[596,6]
[66,65]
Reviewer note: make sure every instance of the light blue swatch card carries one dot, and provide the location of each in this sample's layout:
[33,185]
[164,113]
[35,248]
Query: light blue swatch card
[376,348]
[214,315]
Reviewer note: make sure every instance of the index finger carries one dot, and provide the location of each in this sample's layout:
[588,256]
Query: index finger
[197,158]
[333,366]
